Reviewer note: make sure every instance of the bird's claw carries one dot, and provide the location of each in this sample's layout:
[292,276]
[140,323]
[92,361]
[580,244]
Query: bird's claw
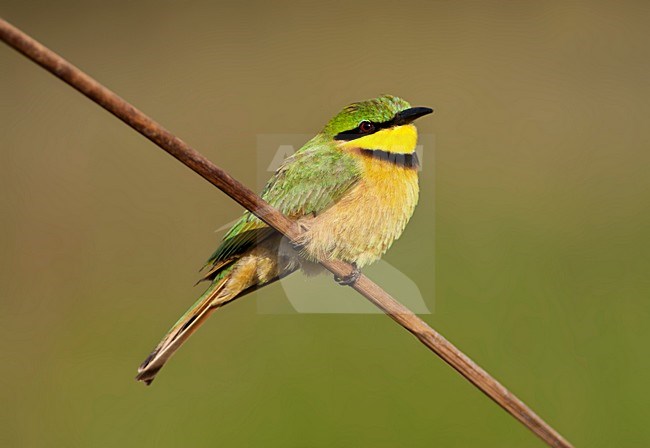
[349,279]
[299,245]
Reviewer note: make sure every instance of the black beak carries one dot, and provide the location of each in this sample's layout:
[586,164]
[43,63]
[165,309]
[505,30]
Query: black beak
[409,115]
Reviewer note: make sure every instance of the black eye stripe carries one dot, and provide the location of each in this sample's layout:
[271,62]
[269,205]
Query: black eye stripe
[402,117]
[355,133]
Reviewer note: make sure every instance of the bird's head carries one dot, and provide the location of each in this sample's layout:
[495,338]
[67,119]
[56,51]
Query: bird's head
[380,124]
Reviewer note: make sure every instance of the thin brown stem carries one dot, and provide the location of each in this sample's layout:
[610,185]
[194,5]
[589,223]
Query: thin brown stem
[110,101]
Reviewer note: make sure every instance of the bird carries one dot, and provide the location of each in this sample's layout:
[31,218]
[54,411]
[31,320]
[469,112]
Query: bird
[352,189]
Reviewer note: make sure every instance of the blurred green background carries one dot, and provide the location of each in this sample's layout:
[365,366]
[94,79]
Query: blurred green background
[540,236]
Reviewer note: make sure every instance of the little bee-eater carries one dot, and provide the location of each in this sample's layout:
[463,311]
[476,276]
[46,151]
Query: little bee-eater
[352,189]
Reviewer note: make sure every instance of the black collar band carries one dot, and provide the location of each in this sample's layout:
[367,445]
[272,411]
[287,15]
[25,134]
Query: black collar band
[403,160]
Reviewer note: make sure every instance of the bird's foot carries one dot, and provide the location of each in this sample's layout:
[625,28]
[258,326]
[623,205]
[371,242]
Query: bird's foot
[349,279]
[299,245]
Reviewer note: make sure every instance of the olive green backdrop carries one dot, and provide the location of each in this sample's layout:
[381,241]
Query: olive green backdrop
[540,236]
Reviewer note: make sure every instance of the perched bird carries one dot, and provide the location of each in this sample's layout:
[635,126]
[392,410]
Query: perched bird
[352,188]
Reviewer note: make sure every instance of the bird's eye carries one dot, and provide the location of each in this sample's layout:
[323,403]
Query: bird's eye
[366,127]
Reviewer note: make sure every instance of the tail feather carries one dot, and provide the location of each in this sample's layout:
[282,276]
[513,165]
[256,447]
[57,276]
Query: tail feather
[260,268]
[179,333]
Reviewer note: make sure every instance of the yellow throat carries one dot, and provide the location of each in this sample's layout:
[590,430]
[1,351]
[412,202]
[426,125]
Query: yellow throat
[395,140]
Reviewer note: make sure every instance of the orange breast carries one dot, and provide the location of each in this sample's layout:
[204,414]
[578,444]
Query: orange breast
[363,224]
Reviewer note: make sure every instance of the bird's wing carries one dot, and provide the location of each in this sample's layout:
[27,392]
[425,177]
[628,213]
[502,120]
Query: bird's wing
[307,182]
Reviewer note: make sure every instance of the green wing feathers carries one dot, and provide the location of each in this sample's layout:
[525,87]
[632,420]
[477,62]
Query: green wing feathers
[307,182]
[311,180]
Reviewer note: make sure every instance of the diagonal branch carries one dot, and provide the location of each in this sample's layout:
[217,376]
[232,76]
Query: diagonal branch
[110,101]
